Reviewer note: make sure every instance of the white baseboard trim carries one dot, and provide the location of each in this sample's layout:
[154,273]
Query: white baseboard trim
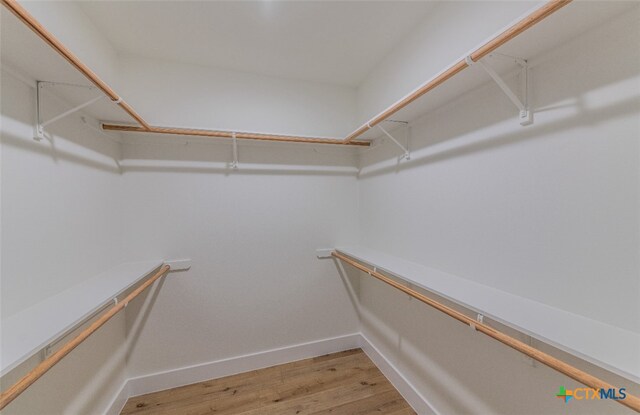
[231,366]
[226,367]
[414,398]
[119,400]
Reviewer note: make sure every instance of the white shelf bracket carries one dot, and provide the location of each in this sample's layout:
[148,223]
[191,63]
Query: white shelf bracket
[39,131]
[479,319]
[234,163]
[525,115]
[406,155]
[529,360]
[46,352]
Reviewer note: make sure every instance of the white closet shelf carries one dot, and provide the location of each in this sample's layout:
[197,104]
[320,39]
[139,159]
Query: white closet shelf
[32,59]
[554,31]
[29,331]
[29,57]
[612,348]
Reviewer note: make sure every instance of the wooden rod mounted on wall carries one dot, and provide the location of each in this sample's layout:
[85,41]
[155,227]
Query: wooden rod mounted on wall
[522,25]
[27,380]
[52,41]
[573,372]
[59,47]
[230,134]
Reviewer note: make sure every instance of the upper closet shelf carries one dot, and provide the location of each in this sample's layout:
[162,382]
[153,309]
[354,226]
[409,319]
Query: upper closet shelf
[35,54]
[33,329]
[30,57]
[542,30]
[610,347]
[550,33]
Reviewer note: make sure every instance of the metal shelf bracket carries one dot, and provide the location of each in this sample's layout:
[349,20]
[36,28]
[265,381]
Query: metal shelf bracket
[525,114]
[406,155]
[39,132]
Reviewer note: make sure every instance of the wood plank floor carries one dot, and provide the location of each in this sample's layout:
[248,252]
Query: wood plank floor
[346,383]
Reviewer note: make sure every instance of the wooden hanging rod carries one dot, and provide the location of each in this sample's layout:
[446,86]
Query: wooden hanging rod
[573,372]
[48,37]
[522,25]
[27,380]
[229,134]
[52,41]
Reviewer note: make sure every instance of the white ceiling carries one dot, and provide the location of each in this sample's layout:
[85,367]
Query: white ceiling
[337,42]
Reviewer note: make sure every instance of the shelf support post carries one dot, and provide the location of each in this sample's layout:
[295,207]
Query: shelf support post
[38,133]
[406,155]
[525,115]
[234,163]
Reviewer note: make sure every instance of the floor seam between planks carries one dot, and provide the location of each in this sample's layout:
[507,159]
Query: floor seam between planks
[343,383]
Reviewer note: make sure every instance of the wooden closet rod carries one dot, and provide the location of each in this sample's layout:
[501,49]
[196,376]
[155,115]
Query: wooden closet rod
[48,37]
[229,134]
[630,401]
[27,380]
[524,24]
[52,41]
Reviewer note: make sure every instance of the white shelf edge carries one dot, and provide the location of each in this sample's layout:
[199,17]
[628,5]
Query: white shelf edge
[26,333]
[541,315]
[133,164]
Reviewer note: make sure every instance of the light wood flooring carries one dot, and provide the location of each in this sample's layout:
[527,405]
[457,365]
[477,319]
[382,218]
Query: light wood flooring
[346,383]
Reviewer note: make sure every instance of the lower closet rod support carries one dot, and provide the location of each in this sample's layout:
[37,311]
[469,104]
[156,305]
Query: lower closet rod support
[27,380]
[573,372]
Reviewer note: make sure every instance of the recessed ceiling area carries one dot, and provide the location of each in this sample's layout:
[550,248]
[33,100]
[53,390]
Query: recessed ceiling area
[321,41]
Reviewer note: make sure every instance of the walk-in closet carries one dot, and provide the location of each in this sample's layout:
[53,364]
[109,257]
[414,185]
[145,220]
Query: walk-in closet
[272,207]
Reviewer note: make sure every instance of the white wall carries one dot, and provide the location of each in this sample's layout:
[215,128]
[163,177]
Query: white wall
[68,214]
[451,29]
[60,226]
[255,283]
[84,382]
[180,95]
[527,210]
[165,93]
[59,206]
[549,212]
[68,23]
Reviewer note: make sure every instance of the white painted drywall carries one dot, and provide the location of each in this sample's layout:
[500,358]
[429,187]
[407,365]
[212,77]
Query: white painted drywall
[450,29]
[79,216]
[60,226]
[550,212]
[59,210]
[84,382]
[201,96]
[68,23]
[528,210]
[181,95]
[255,283]
[332,42]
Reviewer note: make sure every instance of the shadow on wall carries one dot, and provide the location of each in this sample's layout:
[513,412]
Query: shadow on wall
[563,82]
[241,171]
[583,118]
[351,281]
[80,379]
[461,371]
[50,150]
[137,313]
[68,139]
[213,155]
